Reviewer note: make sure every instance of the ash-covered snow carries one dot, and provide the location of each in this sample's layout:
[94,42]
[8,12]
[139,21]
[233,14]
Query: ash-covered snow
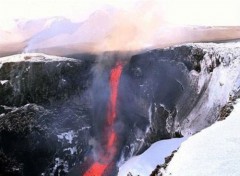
[145,163]
[214,151]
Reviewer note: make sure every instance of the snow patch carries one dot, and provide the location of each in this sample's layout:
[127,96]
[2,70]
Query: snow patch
[27,69]
[68,136]
[3,82]
[84,128]
[71,149]
[149,118]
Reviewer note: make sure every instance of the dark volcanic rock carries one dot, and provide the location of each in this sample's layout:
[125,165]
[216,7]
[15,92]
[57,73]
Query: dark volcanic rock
[34,137]
[53,109]
[159,168]
[24,137]
[54,134]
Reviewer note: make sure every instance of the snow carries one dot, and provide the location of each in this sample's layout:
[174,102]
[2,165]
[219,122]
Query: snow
[34,57]
[145,163]
[149,117]
[59,162]
[67,135]
[213,151]
[3,81]
[71,149]
[84,128]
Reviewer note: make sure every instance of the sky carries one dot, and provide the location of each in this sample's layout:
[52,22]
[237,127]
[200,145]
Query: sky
[180,12]
[76,10]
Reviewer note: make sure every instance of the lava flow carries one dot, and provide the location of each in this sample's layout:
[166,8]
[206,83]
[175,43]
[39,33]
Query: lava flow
[99,168]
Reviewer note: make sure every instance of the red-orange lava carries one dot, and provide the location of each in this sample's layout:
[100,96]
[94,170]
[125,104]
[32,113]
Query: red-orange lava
[98,168]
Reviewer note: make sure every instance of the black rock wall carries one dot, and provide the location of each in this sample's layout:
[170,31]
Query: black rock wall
[43,81]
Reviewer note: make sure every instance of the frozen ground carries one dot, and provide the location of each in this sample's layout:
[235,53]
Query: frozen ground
[33,57]
[145,163]
[214,151]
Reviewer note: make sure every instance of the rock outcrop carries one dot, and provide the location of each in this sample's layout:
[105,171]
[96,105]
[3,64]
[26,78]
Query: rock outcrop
[52,109]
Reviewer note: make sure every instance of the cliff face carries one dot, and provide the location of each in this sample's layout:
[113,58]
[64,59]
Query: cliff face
[53,109]
[42,79]
[178,90]
[44,106]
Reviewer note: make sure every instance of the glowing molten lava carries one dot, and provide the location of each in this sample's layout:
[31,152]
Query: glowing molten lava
[99,168]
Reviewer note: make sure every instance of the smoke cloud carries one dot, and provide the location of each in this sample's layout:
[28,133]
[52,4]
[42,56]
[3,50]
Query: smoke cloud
[123,26]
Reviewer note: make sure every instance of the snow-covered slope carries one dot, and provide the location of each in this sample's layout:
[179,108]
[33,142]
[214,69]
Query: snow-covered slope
[214,151]
[145,163]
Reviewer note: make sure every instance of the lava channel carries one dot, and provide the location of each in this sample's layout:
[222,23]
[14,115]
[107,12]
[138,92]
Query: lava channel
[99,168]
